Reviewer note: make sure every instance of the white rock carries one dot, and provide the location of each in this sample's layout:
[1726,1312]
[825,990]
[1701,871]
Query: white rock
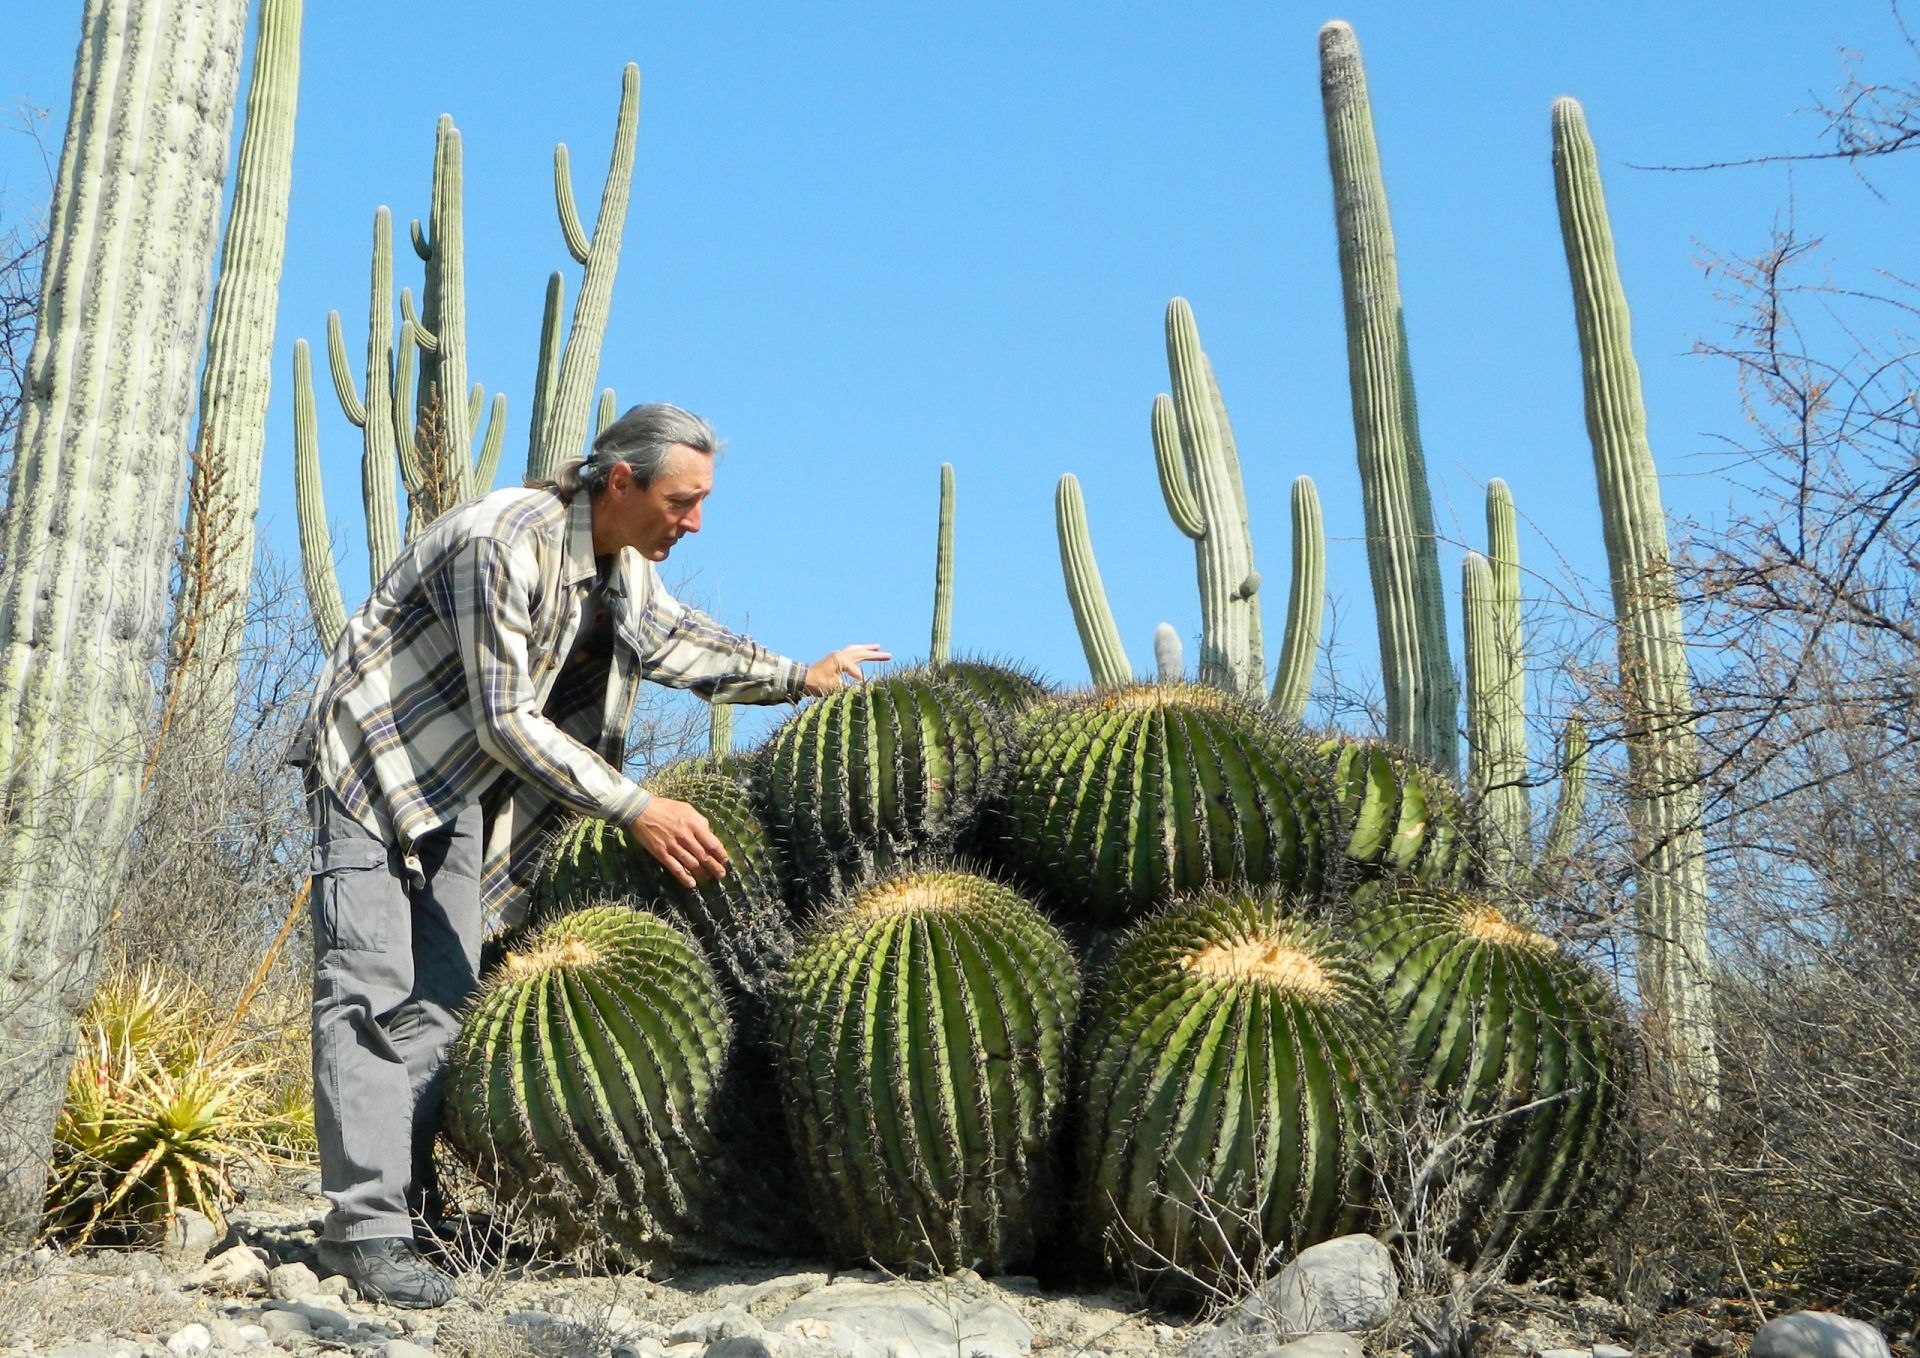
[253,1334]
[760,1345]
[1611,1351]
[240,1269]
[226,1334]
[904,1320]
[1342,1285]
[317,1313]
[404,1348]
[291,1280]
[334,1285]
[1319,1346]
[190,1341]
[1566,1353]
[1818,1334]
[185,1240]
[639,1348]
[710,1327]
[283,1325]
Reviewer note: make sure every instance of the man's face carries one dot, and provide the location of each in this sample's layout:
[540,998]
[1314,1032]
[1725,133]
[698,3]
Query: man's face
[651,518]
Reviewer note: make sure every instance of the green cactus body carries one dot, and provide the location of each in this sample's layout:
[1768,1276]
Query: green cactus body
[942,641]
[738,919]
[1663,753]
[1496,697]
[584,1080]
[1232,1061]
[1086,594]
[1121,800]
[443,301]
[1306,601]
[1402,552]
[877,772]
[1009,687]
[922,1036]
[1495,1017]
[1397,816]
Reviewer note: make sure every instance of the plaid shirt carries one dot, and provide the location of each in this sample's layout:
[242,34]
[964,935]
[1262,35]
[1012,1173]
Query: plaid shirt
[471,672]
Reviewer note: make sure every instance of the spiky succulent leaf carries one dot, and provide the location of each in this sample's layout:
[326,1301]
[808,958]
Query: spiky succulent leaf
[923,1036]
[1495,1018]
[876,773]
[1234,1060]
[1122,799]
[584,1082]
[1397,815]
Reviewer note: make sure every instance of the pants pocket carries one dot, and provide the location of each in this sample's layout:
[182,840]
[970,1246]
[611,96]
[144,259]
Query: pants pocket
[354,895]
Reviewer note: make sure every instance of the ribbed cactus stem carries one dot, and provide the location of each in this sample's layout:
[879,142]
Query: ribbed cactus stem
[1496,698]
[486,466]
[210,610]
[546,371]
[563,434]
[1306,601]
[316,542]
[443,367]
[1402,555]
[607,412]
[1099,635]
[1167,660]
[1223,552]
[1662,750]
[93,515]
[379,453]
[942,643]
[720,729]
[1557,854]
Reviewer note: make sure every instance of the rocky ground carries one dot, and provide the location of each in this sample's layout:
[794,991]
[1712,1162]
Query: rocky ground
[256,1292]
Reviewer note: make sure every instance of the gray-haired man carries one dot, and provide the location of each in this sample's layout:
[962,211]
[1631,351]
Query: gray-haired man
[481,693]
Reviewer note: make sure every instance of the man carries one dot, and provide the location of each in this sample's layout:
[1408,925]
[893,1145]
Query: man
[479,695]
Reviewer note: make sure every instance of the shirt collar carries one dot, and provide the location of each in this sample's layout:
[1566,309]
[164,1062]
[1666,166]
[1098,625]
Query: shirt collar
[580,564]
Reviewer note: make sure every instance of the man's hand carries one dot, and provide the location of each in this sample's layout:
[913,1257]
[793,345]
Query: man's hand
[680,838]
[827,674]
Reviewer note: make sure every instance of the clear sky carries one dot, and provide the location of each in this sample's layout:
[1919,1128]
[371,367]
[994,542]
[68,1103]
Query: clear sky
[869,238]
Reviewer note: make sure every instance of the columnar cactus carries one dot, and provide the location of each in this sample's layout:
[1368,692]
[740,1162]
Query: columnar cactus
[942,642]
[1306,601]
[1234,1062]
[876,773]
[93,516]
[584,1083]
[922,1037]
[1121,800]
[1402,552]
[1521,1048]
[1099,636]
[1169,666]
[1200,481]
[1397,816]
[210,610]
[1663,797]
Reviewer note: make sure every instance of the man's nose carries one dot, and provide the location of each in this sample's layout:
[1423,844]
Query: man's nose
[690,521]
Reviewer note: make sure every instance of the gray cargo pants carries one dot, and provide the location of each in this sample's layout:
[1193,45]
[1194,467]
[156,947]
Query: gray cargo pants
[393,962]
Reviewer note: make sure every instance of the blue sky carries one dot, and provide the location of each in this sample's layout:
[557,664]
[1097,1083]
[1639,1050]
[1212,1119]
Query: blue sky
[866,239]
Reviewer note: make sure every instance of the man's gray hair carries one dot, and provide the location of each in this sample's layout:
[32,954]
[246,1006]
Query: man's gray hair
[640,438]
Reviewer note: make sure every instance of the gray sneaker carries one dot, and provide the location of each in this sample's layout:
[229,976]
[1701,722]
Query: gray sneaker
[387,1269]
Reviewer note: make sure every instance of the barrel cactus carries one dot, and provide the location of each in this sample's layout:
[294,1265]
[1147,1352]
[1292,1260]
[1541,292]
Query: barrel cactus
[1398,816]
[1011,688]
[1495,1018]
[739,919]
[584,1081]
[1122,799]
[922,1036]
[876,773]
[1234,1061]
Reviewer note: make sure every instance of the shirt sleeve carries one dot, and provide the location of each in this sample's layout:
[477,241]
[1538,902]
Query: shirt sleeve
[493,620]
[682,647]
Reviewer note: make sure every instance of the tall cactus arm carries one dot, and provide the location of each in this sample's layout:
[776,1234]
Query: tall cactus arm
[608,412]
[316,543]
[379,448]
[1558,851]
[579,244]
[1306,601]
[1402,554]
[564,432]
[942,642]
[210,609]
[443,379]
[1223,555]
[546,372]
[1099,636]
[1168,662]
[1663,753]
[476,404]
[406,453]
[487,466]
[720,729]
[1170,460]
[345,385]
[1496,698]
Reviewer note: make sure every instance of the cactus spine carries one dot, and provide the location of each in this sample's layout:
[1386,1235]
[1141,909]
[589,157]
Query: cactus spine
[942,643]
[1200,480]
[922,1037]
[1232,1063]
[1306,601]
[1099,636]
[1402,554]
[210,612]
[1663,798]
[93,513]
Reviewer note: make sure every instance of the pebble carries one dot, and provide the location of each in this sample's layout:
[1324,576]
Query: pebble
[1818,1334]
[190,1341]
[1319,1346]
[253,1334]
[404,1348]
[1343,1285]
[291,1280]
[226,1334]
[239,1269]
[1611,1351]
[282,1325]
[186,1239]
[1565,1353]
[743,1346]
[709,1327]
[98,1348]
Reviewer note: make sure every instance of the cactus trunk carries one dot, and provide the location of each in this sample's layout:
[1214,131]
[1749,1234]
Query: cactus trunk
[1306,600]
[1402,554]
[942,642]
[1663,796]
[1099,636]
[92,515]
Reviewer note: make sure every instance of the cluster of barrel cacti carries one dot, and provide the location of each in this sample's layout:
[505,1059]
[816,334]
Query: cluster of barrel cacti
[1146,973]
